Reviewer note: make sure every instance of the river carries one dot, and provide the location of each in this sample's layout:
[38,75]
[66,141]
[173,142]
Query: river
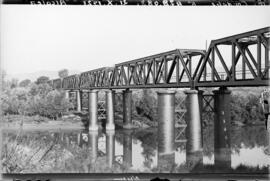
[130,151]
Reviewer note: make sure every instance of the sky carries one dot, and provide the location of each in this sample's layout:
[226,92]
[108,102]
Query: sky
[35,38]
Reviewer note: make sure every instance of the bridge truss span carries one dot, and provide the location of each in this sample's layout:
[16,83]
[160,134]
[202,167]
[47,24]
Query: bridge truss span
[238,60]
[169,69]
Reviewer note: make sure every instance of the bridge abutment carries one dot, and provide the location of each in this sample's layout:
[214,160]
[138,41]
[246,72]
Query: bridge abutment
[127,109]
[193,119]
[222,124]
[79,105]
[166,121]
[110,110]
[110,147]
[93,110]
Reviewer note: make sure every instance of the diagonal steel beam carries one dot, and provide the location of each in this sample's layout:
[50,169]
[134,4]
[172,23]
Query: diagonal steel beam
[246,60]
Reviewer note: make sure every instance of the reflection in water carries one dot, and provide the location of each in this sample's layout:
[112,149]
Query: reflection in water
[194,161]
[93,138]
[110,147]
[127,148]
[81,151]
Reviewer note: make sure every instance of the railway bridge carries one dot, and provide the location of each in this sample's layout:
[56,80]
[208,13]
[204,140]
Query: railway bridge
[240,60]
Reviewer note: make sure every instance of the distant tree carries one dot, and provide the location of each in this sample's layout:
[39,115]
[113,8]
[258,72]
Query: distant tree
[2,78]
[25,83]
[42,80]
[63,73]
[13,83]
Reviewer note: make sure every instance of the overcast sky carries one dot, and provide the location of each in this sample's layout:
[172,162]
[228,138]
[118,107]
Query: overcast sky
[35,38]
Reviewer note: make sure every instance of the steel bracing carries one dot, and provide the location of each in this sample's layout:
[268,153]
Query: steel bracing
[238,60]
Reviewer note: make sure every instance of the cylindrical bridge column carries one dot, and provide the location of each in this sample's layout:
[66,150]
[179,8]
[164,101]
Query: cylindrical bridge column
[193,119]
[110,110]
[110,147]
[67,97]
[93,111]
[127,109]
[166,121]
[222,124]
[79,105]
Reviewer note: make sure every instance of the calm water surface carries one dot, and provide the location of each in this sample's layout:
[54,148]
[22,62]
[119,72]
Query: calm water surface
[80,151]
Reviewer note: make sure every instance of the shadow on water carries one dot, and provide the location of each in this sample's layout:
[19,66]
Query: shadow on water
[122,151]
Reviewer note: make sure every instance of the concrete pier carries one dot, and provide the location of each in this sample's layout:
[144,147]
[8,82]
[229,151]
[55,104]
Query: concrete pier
[222,119]
[67,97]
[93,110]
[193,119]
[127,109]
[79,104]
[110,147]
[67,94]
[110,96]
[166,122]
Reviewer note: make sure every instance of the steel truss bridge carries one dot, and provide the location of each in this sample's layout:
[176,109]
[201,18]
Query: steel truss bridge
[235,61]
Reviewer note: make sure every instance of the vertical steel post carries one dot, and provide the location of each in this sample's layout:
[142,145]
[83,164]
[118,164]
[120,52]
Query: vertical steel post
[233,62]
[93,111]
[193,119]
[166,121]
[213,65]
[222,127]
[127,109]
[93,144]
[110,147]
[259,57]
[127,148]
[243,63]
[110,96]
[266,57]
[79,105]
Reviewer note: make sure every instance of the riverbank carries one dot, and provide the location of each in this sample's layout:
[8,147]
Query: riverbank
[39,122]
[77,121]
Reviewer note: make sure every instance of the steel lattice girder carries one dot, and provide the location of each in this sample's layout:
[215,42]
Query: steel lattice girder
[161,70]
[98,78]
[179,68]
[56,84]
[71,82]
[251,65]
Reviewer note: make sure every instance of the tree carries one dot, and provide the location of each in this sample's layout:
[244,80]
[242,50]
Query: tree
[63,73]
[25,83]
[42,80]
[13,83]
